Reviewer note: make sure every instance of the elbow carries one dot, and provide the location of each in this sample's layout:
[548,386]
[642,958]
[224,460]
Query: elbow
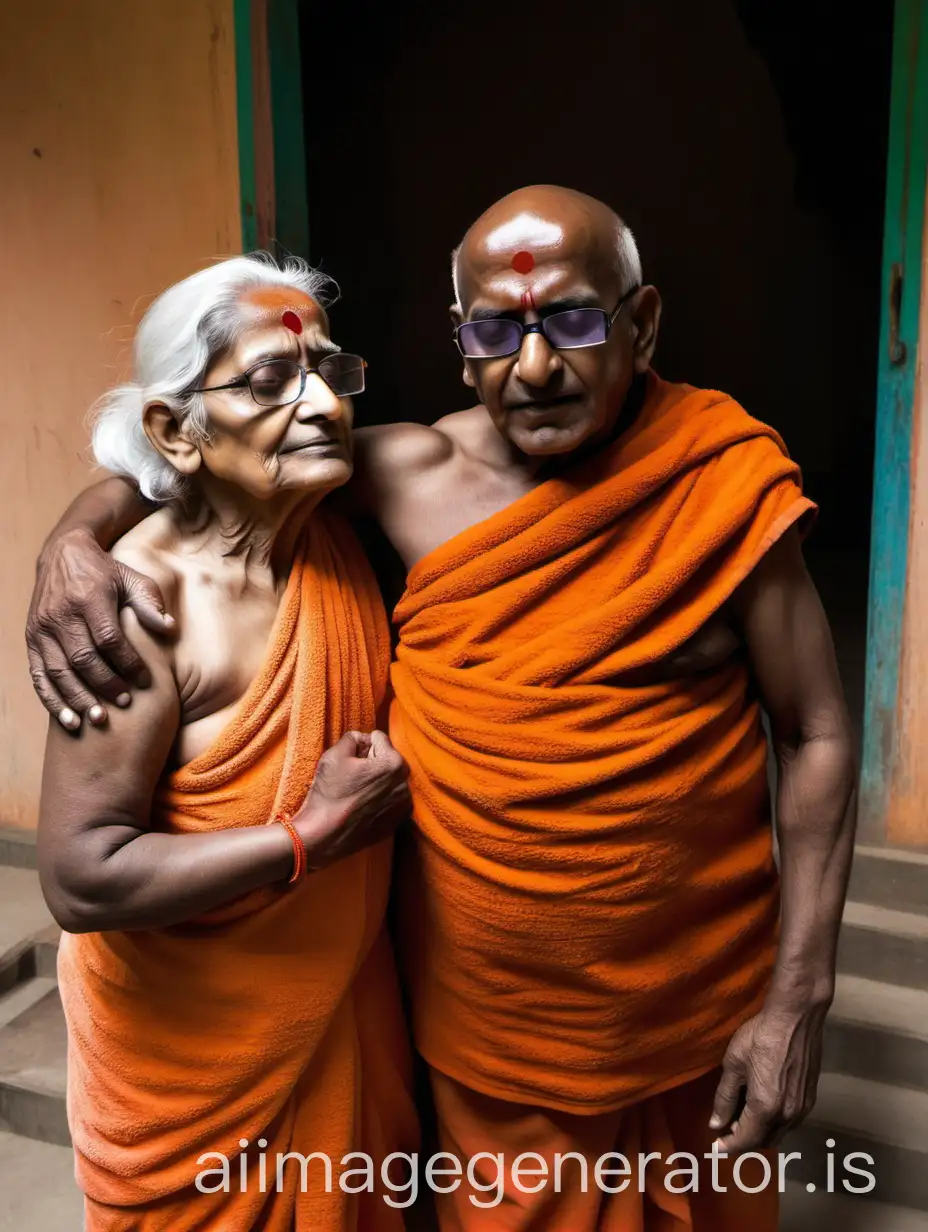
[70,917]
[77,904]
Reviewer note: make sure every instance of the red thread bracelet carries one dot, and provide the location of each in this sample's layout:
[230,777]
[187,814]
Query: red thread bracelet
[299,851]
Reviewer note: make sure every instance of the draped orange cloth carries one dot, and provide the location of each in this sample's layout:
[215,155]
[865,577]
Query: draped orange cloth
[592,906]
[645,1168]
[275,1018]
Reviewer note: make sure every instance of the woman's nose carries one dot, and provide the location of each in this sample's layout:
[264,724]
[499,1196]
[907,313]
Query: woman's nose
[318,399]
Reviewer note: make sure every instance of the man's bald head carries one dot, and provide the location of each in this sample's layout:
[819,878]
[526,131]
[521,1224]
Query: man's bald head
[545,222]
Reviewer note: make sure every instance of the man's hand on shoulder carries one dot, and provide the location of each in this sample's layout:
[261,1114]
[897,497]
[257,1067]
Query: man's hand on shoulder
[79,655]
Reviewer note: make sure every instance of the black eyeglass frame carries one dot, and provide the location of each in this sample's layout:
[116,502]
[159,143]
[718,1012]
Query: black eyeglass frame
[538,327]
[245,378]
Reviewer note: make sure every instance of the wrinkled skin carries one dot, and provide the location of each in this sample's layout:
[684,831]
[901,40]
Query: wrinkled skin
[539,411]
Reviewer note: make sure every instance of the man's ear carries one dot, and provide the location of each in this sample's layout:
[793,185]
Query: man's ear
[457,318]
[646,319]
[169,438]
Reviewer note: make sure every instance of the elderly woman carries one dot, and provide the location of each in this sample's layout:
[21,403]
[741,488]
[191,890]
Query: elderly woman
[220,858]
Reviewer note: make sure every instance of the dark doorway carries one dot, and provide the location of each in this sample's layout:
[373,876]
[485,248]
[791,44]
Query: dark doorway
[745,144]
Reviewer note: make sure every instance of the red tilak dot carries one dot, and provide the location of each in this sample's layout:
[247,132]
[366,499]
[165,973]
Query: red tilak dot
[292,321]
[523,262]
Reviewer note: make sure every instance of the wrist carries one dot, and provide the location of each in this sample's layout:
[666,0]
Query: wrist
[314,824]
[802,992]
[81,535]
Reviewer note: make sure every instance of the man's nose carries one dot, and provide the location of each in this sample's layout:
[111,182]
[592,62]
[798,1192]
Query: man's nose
[538,360]
[318,400]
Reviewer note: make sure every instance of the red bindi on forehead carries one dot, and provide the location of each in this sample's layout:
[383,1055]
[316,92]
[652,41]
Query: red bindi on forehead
[292,308]
[523,262]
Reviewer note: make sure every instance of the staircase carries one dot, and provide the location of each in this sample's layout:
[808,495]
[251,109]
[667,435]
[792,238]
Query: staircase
[873,1095]
[37,1189]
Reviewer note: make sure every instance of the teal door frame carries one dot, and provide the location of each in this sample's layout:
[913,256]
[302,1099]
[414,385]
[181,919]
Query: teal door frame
[271,145]
[907,170]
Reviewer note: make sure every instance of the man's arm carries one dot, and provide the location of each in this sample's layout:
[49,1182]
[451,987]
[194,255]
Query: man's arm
[105,512]
[78,653]
[773,1061]
[77,650]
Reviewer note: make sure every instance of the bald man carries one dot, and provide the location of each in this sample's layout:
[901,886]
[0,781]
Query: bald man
[616,994]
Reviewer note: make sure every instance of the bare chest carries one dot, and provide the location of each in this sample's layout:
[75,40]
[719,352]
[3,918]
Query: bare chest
[222,648]
[445,502]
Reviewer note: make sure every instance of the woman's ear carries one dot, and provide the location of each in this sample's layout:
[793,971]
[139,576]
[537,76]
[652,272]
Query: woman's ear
[169,438]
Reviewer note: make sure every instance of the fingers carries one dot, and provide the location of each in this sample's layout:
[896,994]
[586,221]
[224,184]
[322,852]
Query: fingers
[381,746]
[49,696]
[354,744]
[727,1097]
[107,636]
[145,598]
[752,1131]
[66,684]
[82,646]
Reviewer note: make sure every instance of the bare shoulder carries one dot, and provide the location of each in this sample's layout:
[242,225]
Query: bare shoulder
[465,427]
[148,548]
[389,457]
[403,446]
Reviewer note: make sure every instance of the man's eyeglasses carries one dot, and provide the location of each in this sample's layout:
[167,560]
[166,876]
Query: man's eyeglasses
[279,382]
[497,337]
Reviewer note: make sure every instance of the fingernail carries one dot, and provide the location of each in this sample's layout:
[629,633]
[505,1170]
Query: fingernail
[67,718]
[124,699]
[96,714]
[715,1121]
[169,620]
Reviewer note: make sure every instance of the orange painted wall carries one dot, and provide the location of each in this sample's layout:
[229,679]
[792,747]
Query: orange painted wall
[907,812]
[119,172]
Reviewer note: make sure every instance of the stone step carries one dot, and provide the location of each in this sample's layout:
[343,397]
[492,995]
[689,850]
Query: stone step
[28,934]
[887,1124]
[890,877]
[33,1066]
[17,847]
[23,997]
[878,1031]
[801,1211]
[883,945]
[37,1187]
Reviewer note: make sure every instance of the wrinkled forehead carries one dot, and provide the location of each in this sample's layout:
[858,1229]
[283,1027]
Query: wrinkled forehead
[282,320]
[543,255]
[282,306]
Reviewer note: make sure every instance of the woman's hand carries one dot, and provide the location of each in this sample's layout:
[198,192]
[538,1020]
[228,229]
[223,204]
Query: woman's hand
[78,651]
[358,797]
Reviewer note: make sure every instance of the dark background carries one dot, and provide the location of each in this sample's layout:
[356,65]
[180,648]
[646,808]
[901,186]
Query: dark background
[744,141]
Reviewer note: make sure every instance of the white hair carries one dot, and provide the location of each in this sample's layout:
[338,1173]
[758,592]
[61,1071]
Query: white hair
[178,338]
[628,261]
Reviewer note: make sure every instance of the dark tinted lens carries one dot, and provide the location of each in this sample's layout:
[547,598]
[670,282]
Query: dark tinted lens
[276,383]
[577,327]
[344,374]
[483,339]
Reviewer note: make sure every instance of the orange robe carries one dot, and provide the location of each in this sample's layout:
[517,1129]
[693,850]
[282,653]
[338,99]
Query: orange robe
[275,1017]
[592,906]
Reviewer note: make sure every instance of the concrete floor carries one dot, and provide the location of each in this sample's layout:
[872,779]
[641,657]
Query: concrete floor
[37,1189]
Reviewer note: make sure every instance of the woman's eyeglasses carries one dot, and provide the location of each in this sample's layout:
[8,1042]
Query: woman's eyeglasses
[278,382]
[497,337]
